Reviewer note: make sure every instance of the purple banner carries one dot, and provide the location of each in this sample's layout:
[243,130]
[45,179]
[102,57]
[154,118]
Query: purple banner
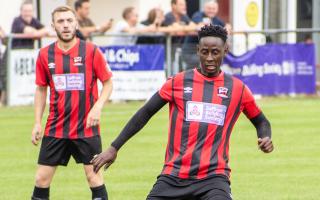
[275,69]
[135,58]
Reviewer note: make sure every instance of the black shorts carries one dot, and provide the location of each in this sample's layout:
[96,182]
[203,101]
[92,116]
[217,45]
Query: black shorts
[56,151]
[172,188]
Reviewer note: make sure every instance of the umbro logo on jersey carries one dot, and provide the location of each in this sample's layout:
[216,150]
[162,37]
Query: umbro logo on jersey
[223,92]
[187,90]
[77,61]
[51,65]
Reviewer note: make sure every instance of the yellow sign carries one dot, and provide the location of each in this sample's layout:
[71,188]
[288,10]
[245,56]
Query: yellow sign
[252,14]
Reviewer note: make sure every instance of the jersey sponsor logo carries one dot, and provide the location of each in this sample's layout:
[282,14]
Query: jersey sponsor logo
[77,61]
[187,90]
[51,65]
[206,112]
[223,92]
[68,82]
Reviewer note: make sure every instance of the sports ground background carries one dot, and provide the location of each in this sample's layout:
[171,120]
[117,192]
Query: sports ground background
[291,172]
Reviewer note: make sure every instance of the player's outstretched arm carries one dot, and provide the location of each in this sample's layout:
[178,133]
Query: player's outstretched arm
[135,124]
[263,128]
[39,106]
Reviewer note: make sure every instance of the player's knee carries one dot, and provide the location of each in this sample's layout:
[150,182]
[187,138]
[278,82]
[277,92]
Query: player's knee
[94,179]
[42,180]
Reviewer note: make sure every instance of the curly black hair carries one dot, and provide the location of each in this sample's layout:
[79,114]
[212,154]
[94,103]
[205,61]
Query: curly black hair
[213,30]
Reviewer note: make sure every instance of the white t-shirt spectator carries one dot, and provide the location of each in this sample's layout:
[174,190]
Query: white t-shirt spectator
[125,40]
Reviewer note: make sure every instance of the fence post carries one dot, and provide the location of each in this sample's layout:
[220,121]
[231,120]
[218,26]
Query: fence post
[168,55]
[8,63]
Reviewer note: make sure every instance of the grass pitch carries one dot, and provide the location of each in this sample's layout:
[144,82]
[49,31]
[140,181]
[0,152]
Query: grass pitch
[291,172]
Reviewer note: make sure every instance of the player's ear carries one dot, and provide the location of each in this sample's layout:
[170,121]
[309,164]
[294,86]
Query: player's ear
[226,48]
[52,26]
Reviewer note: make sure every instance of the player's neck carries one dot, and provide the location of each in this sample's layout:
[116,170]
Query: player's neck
[66,46]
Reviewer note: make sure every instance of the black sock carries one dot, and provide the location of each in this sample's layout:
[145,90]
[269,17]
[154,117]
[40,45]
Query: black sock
[99,193]
[40,193]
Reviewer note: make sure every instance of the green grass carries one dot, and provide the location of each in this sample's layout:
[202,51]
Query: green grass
[291,172]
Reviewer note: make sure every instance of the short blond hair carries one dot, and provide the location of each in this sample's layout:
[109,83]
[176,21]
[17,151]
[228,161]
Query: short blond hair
[62,9]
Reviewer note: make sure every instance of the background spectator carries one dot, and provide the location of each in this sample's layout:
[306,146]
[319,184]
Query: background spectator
[86,25]
[209,14]
[205,17]
[130,24]
[26,23]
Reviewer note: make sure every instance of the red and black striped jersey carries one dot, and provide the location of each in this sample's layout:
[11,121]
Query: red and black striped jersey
[203,112]
[72,78]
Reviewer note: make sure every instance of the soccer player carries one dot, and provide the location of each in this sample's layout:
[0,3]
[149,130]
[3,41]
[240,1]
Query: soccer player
[70,68]
[204,105]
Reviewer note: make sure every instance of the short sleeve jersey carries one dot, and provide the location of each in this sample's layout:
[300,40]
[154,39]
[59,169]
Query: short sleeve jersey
[203,112]
[72,78]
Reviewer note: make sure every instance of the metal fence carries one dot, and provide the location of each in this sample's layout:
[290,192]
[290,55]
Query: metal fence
[180,55]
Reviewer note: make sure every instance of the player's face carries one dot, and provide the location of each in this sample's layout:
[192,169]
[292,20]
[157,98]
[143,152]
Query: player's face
[211,51]
[65,25]
[27,12]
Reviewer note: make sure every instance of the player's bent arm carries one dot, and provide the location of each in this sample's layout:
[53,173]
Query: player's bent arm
[139,120]
[263,128]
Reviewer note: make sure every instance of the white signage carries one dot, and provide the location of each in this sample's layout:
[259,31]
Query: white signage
[21,77]
[247,16]
[127,85]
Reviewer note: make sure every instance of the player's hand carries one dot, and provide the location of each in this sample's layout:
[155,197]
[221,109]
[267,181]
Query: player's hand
[36,134]
[265,144]
[93,118]
[105,158]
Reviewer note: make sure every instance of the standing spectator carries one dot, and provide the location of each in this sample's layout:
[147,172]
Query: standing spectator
[156,17]
[131,25]
[207,16]
[70,68]
[26,23]
[178,17]
[178,13]
[86,25]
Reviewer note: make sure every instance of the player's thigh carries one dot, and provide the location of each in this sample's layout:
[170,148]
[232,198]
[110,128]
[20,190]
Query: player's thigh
[54,151]
[84,149]
[44,175]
